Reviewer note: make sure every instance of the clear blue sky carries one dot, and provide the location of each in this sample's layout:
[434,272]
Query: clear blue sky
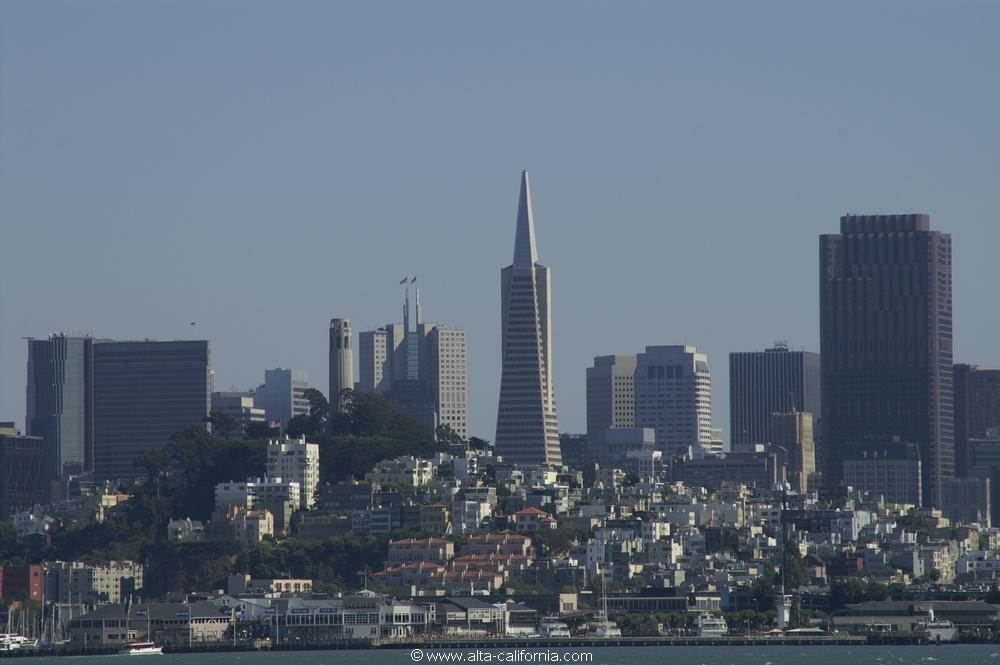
[259,167]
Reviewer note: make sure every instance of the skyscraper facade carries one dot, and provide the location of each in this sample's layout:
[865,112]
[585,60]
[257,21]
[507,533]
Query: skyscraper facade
[282,395]
[241,407]
[381,358]
[762,383]
[25,472]
[610,399]
[298,461]
[527,425]
[886,341]
[884,467]
[59,400]
[144,392]
[673,395]
[444,363]
[341,361]
[421,368]
[977,408]
[792,433]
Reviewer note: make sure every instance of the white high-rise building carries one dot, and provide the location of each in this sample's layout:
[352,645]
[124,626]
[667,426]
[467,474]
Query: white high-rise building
[381,358]
[445,366]
[421,369]
[296,460]
[673,395]
[610,399]
[718,443]
[527,425]
[282,395]
[241,407]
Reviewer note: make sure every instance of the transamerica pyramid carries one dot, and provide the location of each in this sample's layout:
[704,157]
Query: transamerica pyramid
[527,426]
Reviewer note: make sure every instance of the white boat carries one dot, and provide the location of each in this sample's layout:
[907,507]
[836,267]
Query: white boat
[601,626]
[553,627]
[936,630]
[709,625]
[13,642]
[141,649]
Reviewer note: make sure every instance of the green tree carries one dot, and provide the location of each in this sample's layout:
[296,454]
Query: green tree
[475,443]
[181,477]
[314,423]
[301,425]
[448,437]
[762,589]
[262,431]
[186,567]
[795,569]
[848,591]
[319,407]
[369,429]
[223,423]
[553,542]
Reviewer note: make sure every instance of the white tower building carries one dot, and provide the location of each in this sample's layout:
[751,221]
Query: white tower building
[296,460]
[341,361]
[527,426]
[673,395]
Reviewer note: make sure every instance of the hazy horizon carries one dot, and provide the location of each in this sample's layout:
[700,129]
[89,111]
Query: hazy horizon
[262,167]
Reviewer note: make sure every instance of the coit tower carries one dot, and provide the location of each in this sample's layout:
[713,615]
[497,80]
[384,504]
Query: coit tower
[341,362]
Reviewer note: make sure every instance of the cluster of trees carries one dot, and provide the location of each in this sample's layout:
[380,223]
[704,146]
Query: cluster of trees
[364,431]
[648,624]
[180,479]
[850,590]
[643,625]
[554,542]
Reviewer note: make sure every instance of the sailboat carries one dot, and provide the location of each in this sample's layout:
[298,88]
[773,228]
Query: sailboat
[141,648]
[601,625]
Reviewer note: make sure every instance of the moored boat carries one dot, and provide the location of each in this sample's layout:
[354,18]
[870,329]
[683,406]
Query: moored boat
[553,627]
[14,642]
[141,649]
[936,630]
[709,625]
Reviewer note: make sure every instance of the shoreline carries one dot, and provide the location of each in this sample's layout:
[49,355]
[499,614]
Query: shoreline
[520,643]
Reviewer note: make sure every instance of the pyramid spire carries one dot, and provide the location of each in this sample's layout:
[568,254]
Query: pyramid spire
[525,254]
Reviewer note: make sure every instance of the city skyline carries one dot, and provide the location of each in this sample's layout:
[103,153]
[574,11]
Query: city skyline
[682,180]
[722,373]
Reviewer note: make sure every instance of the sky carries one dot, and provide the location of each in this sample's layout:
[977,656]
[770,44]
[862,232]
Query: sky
[260,167]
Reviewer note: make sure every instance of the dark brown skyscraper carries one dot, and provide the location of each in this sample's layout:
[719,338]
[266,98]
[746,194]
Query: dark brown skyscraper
[977,408]
[886,341]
